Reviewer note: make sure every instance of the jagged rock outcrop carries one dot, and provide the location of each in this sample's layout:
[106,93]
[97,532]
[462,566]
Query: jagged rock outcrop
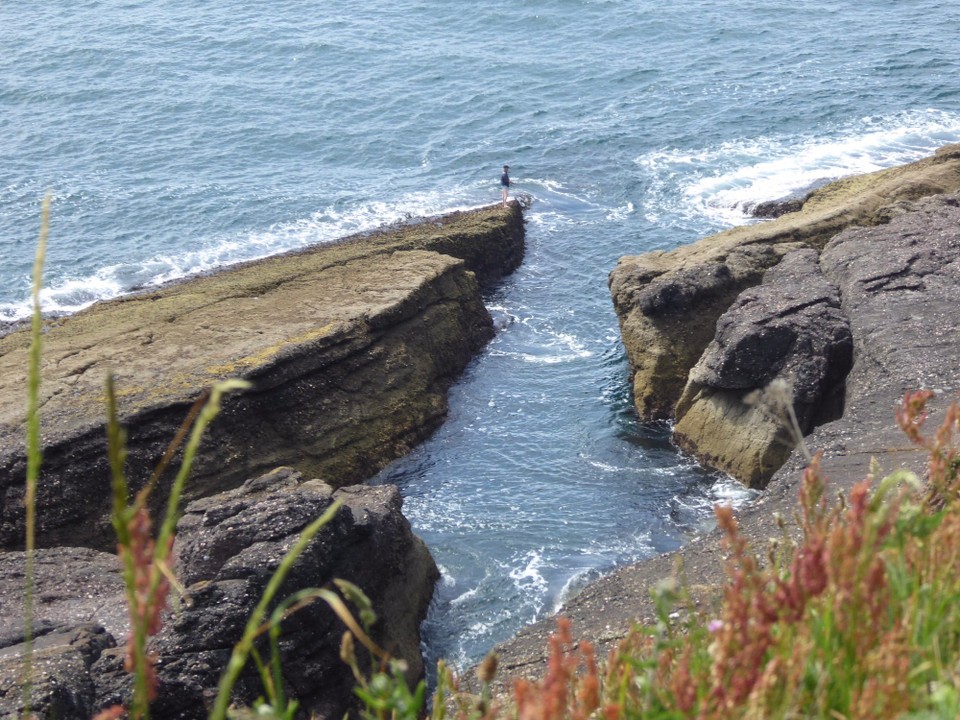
[789,328]
[227,548]
[350,348]
[230,545]
[668,303]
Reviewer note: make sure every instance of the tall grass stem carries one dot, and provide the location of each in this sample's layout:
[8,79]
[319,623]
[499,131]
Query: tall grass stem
[33,453]
[241,651]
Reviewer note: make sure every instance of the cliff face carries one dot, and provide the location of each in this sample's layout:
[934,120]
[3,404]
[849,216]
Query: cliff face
[668,303]
[350,348]
[707,325]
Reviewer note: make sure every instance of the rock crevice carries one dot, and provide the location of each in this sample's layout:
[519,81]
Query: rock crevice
[351,349]
[898,336]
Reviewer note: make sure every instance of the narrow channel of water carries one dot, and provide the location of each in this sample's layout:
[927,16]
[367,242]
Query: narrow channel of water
[542,479]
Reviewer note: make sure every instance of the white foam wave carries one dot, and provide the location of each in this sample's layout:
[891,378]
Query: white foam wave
[599,557]
[465,597]
[727,491]
[574,584]
[70,294]
[544,344]
[605,467]
[85,292]
[526,575]
[446,579]
[722,183]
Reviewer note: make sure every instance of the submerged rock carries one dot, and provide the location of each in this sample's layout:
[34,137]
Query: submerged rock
[350,349]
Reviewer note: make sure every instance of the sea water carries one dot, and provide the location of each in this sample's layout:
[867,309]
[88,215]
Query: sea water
[176,137]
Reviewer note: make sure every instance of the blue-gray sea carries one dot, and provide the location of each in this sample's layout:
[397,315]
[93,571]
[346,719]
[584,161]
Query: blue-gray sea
[179,136]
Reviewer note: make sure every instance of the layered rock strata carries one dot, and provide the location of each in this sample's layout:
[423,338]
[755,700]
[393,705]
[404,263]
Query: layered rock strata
[228,546]
[702,330]
[350,348]
[668,303]
[791,329]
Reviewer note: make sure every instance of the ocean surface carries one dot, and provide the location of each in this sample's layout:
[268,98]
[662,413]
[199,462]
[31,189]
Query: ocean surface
[176,137]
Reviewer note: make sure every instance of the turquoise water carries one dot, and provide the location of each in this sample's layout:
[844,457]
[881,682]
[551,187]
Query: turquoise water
[176,137]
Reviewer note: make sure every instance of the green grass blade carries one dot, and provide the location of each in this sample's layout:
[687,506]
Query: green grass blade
[241,651]
[34,455]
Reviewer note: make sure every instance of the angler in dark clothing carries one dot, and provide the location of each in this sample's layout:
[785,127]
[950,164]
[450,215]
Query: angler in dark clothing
[505,184]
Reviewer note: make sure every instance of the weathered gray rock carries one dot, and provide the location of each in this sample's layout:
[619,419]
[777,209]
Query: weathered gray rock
[73,587]
[776,208]
[675,312]
[61,687]
[228,547]
[668,302]
[350,348]
[790,328]
[79,612]
[899,283]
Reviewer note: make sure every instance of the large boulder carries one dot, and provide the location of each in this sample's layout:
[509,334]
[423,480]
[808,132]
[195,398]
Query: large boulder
[668,303]
[350,348]
[791,329]
[668,314]
[228,547]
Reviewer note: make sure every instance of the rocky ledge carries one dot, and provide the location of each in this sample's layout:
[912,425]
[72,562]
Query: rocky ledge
[350,348]
[850,302]
[708,325]
[228,546]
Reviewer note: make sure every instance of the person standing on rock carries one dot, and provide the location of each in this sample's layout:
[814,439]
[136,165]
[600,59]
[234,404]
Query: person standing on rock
[505,184]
